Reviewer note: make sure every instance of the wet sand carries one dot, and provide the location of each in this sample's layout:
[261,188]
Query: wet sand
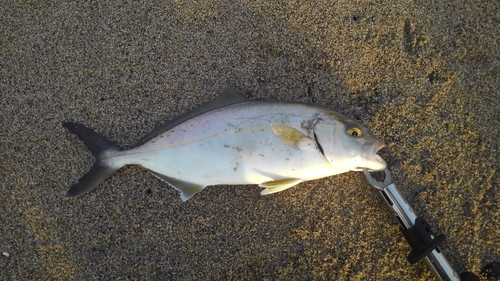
[424,77]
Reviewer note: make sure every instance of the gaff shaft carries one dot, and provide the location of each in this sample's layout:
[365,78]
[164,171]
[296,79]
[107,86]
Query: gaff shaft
[436,261]
[424,244]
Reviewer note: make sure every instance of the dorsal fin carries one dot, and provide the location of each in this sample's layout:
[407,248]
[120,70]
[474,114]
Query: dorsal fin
[229,96]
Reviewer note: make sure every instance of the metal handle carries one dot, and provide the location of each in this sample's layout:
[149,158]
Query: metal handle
[407,218]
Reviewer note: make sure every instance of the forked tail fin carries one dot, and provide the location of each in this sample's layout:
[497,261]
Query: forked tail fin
[100,171]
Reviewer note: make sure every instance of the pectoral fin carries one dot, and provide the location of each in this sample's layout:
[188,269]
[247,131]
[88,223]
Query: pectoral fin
[289,135]
[186,189]
[278,185]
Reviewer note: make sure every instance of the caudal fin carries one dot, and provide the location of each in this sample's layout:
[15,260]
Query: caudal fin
[100,171]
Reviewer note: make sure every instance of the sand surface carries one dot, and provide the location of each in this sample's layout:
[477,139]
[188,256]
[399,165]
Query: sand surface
[423,76]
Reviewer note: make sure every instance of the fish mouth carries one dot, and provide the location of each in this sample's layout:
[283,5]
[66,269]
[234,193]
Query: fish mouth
[374,161]
[376,146]
[377,164]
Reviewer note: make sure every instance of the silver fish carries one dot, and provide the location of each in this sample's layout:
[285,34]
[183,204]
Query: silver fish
[234,141]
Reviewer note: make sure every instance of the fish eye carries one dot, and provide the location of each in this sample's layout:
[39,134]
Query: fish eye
[354,131]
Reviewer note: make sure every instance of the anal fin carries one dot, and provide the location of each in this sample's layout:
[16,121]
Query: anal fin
[278,185]
[186,189]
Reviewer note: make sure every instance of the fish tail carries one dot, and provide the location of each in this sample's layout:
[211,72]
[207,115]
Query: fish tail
[101,170]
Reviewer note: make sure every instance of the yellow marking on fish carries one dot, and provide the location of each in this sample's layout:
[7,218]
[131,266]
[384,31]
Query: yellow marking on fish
[288,135]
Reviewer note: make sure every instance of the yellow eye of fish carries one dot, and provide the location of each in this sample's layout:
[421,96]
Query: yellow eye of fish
[355,132]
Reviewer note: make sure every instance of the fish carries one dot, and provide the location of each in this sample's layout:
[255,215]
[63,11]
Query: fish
[235,141]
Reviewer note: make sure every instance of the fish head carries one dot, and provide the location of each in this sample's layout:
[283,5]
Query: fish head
[347,145]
